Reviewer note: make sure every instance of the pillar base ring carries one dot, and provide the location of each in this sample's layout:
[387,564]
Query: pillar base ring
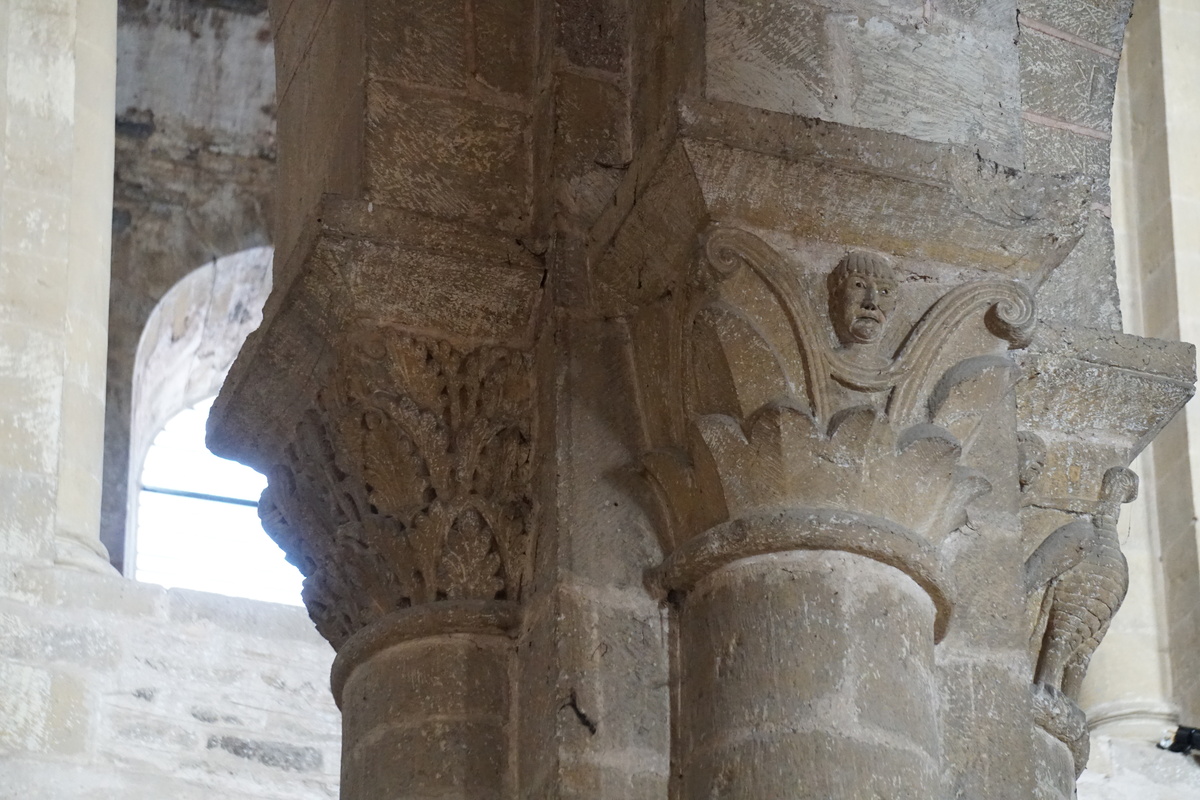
[1117,717]
[486,617]
[787,529]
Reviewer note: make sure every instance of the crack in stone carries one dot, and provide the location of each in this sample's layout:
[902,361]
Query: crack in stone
[583,718]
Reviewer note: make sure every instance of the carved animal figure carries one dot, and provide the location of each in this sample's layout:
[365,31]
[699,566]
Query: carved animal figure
[1080,601]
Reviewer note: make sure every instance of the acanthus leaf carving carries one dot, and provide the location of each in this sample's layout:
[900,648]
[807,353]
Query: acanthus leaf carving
[409,481]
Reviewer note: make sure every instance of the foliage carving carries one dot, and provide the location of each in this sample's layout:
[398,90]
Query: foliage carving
[409,482]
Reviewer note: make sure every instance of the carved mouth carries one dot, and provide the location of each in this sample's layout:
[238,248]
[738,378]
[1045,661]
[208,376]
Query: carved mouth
[867,325]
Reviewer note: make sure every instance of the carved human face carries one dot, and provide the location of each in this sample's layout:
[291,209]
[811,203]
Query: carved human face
[861,305]
[1031,453]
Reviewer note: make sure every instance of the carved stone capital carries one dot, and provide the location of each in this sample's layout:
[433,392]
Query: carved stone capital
[770,381]
[408,481]
[836,346]
[763,411]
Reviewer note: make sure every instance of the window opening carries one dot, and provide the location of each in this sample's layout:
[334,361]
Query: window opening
[198,525]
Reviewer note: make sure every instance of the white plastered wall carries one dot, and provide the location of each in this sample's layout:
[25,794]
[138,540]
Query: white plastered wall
[1140,683]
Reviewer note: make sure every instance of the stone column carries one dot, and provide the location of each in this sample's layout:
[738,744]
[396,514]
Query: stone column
[404,498]
[425,704]
[783,689]
[399,448]
[805,505]
[851,362]
[59,60]
[1128,690]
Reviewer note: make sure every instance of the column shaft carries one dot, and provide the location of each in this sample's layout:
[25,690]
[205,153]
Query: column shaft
[428,718]
[1153,255]
[807,674]
[56,198]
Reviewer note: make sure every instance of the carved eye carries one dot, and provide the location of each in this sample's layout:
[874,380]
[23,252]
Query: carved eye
[860,284]
[883,291]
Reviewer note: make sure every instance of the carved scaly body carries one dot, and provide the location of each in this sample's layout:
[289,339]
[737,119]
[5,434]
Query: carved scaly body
[1083,599]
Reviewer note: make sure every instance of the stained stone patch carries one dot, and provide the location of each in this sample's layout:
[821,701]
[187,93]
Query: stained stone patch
[271,754]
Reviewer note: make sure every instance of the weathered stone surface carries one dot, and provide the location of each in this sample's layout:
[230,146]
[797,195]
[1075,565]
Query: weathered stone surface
[453,158]
[765,282]
[592,144]
[1043,58]
[272,754]
[892,67]
[419,43]
[428,717]
[483,288]
[807,180]
[1101,23]
[130,683]
[592,33]
[504,57]
[738,668]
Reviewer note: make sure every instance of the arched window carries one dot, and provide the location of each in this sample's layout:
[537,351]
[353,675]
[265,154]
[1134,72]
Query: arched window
[191,519]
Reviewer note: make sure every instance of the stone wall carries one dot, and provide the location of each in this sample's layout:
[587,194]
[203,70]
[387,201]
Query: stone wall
[114,688]
[110,688]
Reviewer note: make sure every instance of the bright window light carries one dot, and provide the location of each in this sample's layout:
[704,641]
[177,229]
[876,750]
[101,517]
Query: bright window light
[198,524]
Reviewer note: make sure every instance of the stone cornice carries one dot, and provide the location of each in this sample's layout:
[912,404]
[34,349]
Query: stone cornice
[1100,393]
[809,178]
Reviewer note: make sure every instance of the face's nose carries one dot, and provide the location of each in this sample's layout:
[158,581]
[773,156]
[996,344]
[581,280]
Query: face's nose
[868,299]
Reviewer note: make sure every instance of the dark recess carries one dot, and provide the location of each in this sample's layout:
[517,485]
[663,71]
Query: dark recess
[252,7]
